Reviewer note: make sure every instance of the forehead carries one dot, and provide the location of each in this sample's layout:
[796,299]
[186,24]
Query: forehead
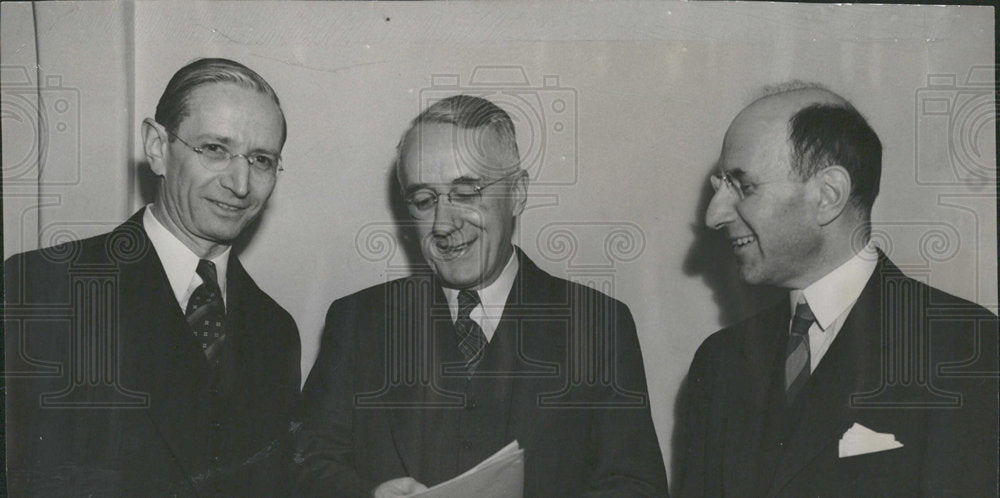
[440,153]
[756,145]
[234,112]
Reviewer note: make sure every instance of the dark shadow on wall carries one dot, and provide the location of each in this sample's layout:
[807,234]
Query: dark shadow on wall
[406,235]
[711,257]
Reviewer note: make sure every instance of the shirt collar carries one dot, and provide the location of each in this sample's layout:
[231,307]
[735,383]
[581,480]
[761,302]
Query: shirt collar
[493,296]
[179,261]
[837,291]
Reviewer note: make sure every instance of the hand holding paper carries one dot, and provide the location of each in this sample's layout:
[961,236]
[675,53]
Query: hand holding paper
[499,476]
[403,486]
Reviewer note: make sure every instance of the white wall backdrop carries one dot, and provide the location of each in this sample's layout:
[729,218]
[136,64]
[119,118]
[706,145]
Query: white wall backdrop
[620,108]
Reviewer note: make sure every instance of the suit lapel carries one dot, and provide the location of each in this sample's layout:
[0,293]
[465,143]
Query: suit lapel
[752,386]
[430,327]
[158,349]
[848,366]
[537,317]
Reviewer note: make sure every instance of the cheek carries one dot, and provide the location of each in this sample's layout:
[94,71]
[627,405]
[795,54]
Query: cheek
[262,189]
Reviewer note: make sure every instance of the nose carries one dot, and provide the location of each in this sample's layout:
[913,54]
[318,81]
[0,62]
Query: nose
[447,217]
[720,210]
[236,177]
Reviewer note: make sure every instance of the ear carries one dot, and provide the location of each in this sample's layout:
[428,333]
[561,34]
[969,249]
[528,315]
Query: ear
[154,144]
[519,191]
[834,184]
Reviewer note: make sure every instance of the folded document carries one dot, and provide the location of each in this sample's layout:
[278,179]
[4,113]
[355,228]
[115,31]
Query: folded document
[499,476]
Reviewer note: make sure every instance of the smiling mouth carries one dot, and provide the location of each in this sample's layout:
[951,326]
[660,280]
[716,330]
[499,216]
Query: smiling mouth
[739,242]
[446,248]
[227,207]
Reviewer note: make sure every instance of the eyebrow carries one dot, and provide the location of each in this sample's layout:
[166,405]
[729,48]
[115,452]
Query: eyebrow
[228,142]
[462,180]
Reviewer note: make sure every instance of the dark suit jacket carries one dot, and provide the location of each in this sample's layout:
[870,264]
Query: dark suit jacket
[909,360]
[110,394]
[562,374]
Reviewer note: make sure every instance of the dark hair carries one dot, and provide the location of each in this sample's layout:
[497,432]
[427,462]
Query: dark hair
[468,112]
[824,135]
[172,107]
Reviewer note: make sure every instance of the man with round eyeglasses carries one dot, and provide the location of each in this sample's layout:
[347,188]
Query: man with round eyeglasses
[192,371]
[421,378]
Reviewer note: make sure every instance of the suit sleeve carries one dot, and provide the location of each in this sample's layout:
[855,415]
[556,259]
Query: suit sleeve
[629,462]
[44,455]
[694,428]
[325,459]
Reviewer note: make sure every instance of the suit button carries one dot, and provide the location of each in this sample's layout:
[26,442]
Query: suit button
[467,444]
[216,425]
[216,459]
[472,404]
[781,444]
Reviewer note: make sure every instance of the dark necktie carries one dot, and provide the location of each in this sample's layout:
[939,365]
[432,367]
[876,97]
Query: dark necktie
[470,336]
[206,311]
[797,353]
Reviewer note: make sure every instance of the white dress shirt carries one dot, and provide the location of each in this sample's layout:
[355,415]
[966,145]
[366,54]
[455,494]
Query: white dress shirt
[831,299]
[180,262]
[492,299]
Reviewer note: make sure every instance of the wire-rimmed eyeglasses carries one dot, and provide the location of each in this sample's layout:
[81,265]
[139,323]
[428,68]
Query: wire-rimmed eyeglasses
[736,185]
[217,157]
[421,203]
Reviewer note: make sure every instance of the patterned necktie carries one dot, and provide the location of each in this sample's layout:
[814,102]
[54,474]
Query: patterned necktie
[206,311]
[797,352]
[470,336]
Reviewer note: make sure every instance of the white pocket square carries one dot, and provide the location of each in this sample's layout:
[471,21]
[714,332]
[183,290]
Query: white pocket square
[859,440]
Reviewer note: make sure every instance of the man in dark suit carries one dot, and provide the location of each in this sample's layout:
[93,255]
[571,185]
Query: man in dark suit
[146,361]
[421,378]
[864,382]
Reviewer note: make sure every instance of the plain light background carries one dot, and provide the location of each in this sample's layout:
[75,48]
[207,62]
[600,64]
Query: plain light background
[620,109]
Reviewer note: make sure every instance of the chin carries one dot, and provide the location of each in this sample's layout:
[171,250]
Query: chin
[456,278]
[749,277]
[225,235]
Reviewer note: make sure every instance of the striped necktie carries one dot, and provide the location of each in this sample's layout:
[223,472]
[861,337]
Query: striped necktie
[206,311]
[797,352]
[471,338]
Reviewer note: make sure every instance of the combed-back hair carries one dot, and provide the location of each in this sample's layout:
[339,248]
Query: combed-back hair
[471,113]
[173,105]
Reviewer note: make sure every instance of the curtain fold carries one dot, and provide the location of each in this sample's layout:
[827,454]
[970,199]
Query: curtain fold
[67,129]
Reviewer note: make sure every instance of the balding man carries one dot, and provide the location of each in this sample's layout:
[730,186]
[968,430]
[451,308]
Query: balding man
[813,397]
